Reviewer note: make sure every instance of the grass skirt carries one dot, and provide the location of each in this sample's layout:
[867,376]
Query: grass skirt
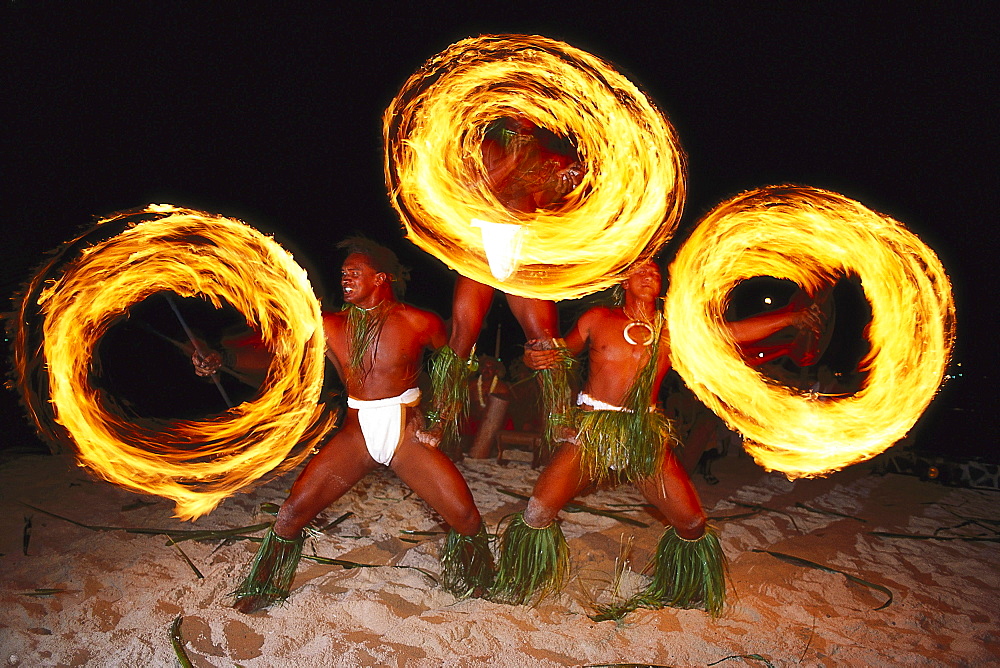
[623,445]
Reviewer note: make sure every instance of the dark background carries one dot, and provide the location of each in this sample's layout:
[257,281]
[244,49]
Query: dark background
[272,114]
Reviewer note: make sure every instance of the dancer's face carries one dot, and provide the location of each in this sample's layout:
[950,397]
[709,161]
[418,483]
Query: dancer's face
[360,281]
[644,281]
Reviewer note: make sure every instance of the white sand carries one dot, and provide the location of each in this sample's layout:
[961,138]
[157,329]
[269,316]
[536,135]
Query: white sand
[123,590]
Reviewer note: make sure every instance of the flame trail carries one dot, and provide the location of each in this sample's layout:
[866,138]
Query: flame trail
[192,254]
[632,192]
[812,236]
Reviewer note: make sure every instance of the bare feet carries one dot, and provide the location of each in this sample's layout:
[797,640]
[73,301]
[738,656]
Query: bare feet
[251,604]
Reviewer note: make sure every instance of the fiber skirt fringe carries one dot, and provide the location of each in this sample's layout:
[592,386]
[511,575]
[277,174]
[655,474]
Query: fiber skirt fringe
[556,397]
[687,573]
[533,562]
[271,573]
[450,391]
[467,564]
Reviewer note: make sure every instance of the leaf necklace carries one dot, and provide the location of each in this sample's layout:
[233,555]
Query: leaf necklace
[364,327]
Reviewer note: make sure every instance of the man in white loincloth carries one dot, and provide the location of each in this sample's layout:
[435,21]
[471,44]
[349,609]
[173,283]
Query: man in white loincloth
[376,344]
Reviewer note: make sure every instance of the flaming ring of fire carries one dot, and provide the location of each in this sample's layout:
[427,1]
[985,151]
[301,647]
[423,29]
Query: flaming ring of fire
[626,207]
[192,254]
[812,236]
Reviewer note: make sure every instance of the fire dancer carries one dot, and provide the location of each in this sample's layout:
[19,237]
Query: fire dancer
[376,344]
[527,170]
[622,437]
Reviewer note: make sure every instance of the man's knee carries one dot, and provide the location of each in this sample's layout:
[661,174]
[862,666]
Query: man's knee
[691,528]
[469,523]
[538,514]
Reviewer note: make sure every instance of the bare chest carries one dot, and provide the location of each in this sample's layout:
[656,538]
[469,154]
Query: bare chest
[623,343]
[380,360]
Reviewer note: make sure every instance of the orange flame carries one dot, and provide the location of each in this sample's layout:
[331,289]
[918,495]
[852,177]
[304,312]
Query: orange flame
[812,236]
[632,192]
[193,254]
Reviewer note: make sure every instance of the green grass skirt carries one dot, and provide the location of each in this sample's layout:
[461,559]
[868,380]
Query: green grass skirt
[622,445]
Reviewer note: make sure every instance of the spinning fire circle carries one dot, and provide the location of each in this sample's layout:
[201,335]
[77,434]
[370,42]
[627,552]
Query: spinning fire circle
[626,206]
[191,254]
[812,237]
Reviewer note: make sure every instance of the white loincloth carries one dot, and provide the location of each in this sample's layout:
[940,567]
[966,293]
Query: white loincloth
[382,422]
[502,243]
[584,399]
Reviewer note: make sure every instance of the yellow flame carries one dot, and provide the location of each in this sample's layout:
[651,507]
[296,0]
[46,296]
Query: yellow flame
[192,254]
[812,236]
[626,207]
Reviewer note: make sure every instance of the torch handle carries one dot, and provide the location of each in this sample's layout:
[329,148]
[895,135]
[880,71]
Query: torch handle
[198,348]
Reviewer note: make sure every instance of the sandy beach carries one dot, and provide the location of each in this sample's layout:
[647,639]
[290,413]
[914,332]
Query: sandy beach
[103,597]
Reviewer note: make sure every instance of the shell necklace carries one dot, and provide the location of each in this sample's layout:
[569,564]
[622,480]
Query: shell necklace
[637,322]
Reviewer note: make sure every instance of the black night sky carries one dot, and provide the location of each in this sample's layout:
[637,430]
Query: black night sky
[272,113]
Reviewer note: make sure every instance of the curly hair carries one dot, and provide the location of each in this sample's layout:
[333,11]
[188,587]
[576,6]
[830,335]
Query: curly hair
[382,259]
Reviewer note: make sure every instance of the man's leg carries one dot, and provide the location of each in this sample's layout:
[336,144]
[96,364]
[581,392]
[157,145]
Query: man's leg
[540,322]
[538,317]
[534,556]
[470,303]
[466,560]
[689,567]
[330,474]
[451,367]
[560,481]
[672,492]
[428,472]
[327,476]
